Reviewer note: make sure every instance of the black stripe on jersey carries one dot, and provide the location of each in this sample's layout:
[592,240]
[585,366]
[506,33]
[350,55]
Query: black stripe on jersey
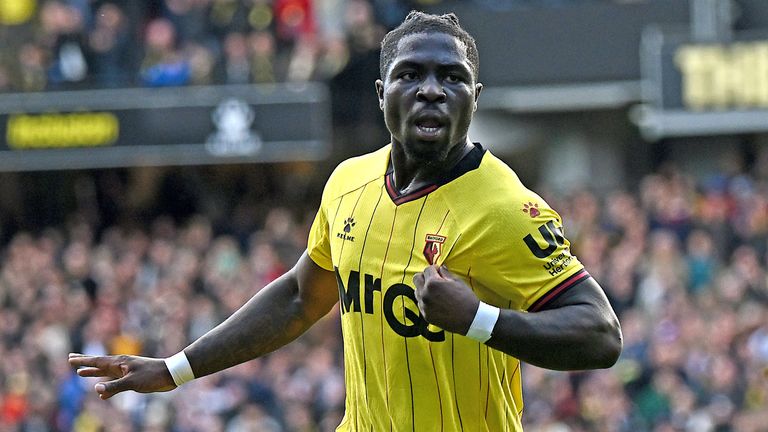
[514,372]
[480,356]
[469,162]
[443,221]
[341,198]
[434,369]
[410,380]
[437,385]
[488,372]
[479,368]
[405,339]
[333,222]
[506,405]
[509,385]
[341,255]
[362,321]
[558,290]
[469,277]
[362,190]
[381,315]
[354,207]
[455,395]
[413,242]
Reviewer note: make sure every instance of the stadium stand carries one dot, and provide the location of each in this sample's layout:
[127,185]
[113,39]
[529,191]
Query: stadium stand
[683,258]
[79,44]
[683,262]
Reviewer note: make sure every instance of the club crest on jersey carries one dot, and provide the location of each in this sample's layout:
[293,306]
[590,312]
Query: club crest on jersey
[433,247]
[349,223]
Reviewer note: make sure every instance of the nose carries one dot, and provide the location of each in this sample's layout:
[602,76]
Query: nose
[431,90]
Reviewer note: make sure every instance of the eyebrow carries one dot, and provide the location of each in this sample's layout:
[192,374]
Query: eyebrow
[443,66]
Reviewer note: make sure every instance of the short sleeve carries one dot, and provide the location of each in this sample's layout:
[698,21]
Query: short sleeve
[526,257]
[318,244]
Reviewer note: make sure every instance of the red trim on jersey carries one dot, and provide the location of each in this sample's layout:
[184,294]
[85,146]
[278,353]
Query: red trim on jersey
[469,162]
[400,199]
[559,289]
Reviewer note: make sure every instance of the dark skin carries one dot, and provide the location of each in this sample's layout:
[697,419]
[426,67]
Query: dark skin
[576,331]
[428,98]
[277,315]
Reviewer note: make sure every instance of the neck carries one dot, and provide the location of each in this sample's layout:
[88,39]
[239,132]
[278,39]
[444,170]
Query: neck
[411,172]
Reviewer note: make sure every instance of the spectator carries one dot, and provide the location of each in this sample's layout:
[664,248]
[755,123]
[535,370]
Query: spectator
[163,63]
[32,62]
[236,66]
[65,26]
[110,46]
[264,61]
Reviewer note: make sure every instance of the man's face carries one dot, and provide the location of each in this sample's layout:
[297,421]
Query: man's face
[428,95]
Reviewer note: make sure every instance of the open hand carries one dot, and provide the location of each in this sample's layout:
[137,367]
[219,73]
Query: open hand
[445,300]
[140,374]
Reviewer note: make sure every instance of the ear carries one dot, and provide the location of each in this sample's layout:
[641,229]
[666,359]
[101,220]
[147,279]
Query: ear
[380,93]
[478,89]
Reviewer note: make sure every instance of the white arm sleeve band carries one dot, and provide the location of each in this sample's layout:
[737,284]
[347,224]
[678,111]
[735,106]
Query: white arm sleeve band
[485,320]
[179,367]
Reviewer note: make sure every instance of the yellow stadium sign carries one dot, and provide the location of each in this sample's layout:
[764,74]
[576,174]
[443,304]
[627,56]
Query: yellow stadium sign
[70,130]
[169,126]
[14,12]
[724,76]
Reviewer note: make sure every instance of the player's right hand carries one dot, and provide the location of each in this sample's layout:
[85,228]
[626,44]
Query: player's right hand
[140,374]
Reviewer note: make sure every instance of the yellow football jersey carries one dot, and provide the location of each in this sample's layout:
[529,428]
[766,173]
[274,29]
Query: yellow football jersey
[483,225]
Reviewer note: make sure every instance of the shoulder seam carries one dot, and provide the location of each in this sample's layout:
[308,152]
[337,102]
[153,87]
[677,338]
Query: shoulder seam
[341,194]
[358,166]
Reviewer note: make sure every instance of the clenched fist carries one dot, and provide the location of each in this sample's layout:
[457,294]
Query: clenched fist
[445,300]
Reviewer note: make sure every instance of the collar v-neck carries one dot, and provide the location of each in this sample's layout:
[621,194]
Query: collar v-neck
[469,162]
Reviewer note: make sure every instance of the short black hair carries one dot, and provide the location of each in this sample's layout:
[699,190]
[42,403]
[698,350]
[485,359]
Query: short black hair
[419,22]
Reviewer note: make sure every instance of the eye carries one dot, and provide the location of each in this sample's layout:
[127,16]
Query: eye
[454,78]
[409,76]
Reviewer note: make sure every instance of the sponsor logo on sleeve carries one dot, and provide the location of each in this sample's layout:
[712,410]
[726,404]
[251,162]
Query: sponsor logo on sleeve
[553,237]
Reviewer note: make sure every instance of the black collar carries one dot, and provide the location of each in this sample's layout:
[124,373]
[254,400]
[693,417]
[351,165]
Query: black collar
[469,162]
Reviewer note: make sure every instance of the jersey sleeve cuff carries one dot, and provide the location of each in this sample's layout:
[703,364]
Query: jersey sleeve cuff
[558,290]
[320,260]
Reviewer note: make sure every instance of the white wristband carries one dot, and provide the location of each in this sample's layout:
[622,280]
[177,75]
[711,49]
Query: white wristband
[179,367]
[485,320]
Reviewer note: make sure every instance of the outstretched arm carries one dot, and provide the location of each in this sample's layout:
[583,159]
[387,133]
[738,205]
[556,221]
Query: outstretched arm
[578,330]
[275,316]
[278,314]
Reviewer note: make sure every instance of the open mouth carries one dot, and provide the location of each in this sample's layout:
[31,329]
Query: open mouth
[429,127]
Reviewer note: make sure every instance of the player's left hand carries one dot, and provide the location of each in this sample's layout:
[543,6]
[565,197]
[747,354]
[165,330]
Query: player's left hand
[445,300]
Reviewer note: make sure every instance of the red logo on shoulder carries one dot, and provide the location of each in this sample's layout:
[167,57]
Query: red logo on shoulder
[532,209]
[433,247]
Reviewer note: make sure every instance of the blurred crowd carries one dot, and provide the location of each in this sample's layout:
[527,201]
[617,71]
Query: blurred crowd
[75,44]
[72,44]
[684,265]
[150,292]
[682,261]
